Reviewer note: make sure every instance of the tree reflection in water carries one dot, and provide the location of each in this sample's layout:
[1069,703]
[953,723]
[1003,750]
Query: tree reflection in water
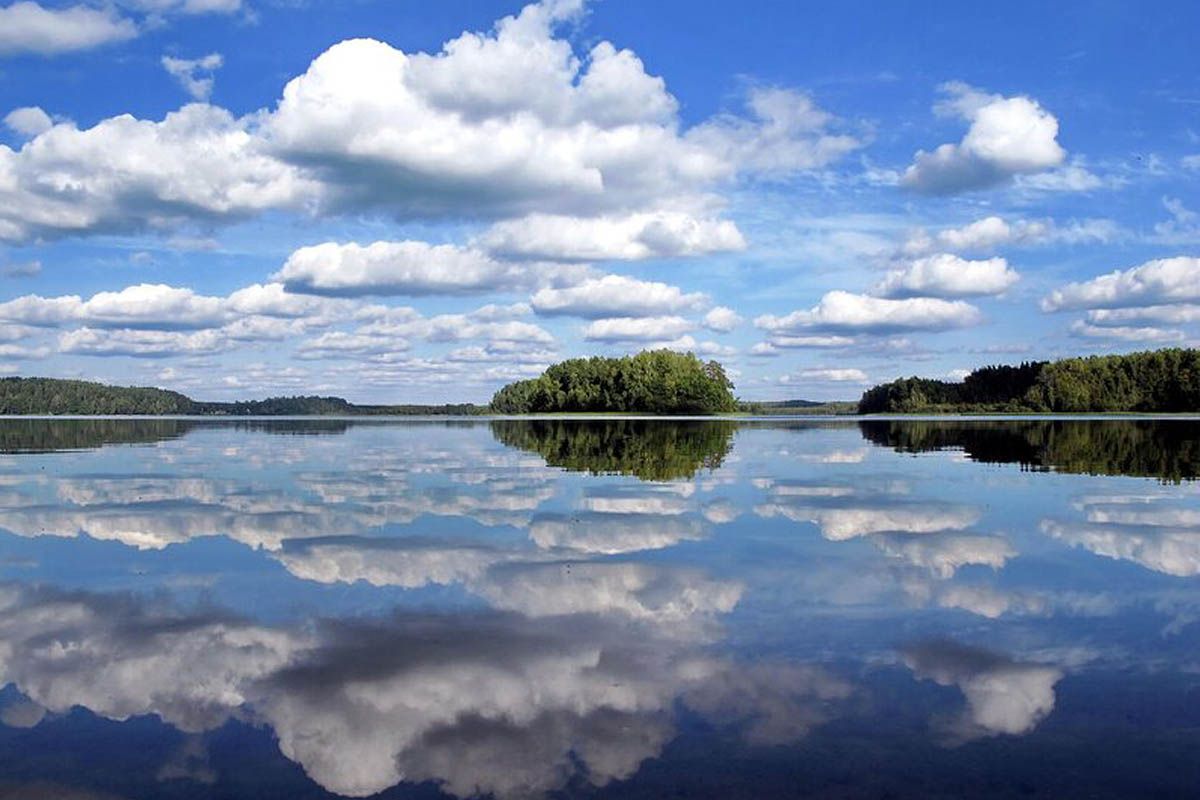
[1160,448]
[650,449]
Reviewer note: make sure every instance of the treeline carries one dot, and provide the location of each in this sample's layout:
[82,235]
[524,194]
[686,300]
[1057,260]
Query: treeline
[1156,381]
[311,405]
[52,396]
[653,382]
[766,408]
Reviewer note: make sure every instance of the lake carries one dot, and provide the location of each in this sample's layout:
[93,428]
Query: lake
[599,608]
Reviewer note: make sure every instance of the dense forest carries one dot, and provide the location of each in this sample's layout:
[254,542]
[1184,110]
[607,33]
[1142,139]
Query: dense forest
[53,396]
[652,382]
[652,450]
[57,397]
[1154,381]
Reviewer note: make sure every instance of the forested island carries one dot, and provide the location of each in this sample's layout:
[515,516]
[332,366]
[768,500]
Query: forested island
[651,382]
[1159,381]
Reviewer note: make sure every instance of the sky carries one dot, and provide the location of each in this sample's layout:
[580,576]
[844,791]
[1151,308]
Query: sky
[419,202]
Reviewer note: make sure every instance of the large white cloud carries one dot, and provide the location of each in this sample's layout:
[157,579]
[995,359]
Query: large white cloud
[1007,136]
[398,268]
[160,307]
[28,120]
[946,275]
[1160,282]
[159,321]
[826,375]
[844,312]
[198,163]
[643,235]
[722,319]
[406,323]
[639,329]
[615,296]
[456,134]
[27,27]
[462,130]
[142,343]
[140,306]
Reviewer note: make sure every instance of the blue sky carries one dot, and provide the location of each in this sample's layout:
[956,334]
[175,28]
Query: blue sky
[820,196]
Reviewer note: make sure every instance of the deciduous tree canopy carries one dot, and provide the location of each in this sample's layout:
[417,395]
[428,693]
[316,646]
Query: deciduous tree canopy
[1157,381]
[653,381]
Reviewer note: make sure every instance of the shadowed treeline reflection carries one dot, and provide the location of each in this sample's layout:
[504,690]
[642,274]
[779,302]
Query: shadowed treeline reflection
[51,435]
[1162,448]
[649,449]
[662,449]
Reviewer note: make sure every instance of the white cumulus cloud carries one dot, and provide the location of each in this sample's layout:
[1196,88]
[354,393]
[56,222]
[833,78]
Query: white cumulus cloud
[1007,136]
[827,375]
[1159,282]
[28,121]
[638,329]
[497,125]
[721,319]
[27,27]
[844,312]
[409,268]
[659,234]
[615,296]
[946,275]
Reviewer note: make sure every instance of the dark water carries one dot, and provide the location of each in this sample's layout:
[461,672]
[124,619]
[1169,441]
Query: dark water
[625,608]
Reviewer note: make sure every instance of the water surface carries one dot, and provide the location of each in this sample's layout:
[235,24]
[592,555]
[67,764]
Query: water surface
[613,608]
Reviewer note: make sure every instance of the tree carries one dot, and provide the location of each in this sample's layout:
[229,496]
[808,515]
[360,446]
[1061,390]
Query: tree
[1158,381]
[653,381]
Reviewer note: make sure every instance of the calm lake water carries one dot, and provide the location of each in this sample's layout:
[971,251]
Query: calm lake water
[622,608]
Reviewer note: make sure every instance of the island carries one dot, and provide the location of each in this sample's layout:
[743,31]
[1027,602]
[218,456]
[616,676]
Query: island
[651,382]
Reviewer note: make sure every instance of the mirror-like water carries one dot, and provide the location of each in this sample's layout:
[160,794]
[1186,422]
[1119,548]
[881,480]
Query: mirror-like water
[613,608]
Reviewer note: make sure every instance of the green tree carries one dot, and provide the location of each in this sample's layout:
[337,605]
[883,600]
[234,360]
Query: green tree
[653,381]
[1157,381]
